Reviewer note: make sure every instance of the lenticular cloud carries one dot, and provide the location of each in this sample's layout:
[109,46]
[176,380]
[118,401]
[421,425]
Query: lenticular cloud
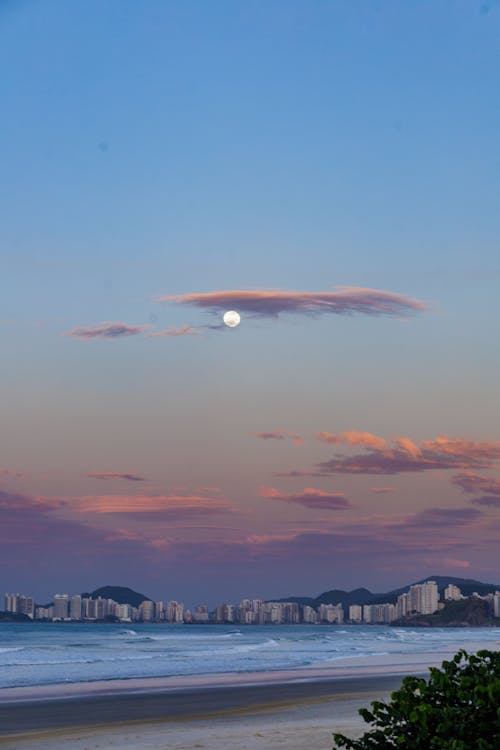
[271,303]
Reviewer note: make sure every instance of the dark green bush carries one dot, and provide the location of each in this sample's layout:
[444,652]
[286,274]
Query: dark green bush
[457,708]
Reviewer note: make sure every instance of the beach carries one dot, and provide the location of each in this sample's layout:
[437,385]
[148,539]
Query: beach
[298,714]
[262,707]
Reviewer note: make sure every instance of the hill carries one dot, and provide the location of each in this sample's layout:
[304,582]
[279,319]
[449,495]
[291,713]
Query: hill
[463,613]
[120,594]
[14,617]
[363,596]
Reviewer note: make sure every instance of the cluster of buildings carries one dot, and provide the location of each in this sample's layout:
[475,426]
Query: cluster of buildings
[422,598]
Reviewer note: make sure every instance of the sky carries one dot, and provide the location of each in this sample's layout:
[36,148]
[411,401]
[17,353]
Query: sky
[329,170]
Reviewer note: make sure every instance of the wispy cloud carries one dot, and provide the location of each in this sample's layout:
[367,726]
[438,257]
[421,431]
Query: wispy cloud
[491,501]
[168,505]
[382,490]
[280,435]
[309,498]
[272,302]
[471,482]
[106,331]
[443,517]
[8,473]
[174,332]
[105,475]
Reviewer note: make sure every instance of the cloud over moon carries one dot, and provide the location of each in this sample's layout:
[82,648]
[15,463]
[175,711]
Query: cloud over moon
[309,498]
[106,331]
[270,303]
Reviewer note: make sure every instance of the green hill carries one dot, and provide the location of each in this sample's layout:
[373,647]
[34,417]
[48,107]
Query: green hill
[14,617]
[120,594]
[463,613]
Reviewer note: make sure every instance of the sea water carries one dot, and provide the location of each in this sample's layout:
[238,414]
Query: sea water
[51,653]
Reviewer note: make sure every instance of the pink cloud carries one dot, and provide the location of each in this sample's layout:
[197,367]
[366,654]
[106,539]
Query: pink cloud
[271,303]
[178,506]
[309,498]
[105,475]
[354,437]
[106,331]
[279,435]
[404,455]
[382,490]
[462,447]
[449,562]
[174,332]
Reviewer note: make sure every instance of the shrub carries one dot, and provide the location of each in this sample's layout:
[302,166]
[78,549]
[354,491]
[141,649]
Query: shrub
[457,708]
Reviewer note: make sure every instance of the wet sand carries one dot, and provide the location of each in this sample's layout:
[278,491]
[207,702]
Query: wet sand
[288,709]
[258,717]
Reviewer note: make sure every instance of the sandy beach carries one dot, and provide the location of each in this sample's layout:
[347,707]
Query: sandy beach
[293,715]
[292,709]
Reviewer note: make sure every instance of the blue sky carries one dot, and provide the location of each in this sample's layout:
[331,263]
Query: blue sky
[168,148]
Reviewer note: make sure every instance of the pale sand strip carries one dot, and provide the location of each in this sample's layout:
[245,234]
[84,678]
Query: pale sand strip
[292,725]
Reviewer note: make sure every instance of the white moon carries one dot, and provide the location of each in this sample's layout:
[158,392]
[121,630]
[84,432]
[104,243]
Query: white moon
[231,318]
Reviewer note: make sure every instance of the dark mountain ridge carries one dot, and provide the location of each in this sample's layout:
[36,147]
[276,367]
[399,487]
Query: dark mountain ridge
[120,594]
[363,596]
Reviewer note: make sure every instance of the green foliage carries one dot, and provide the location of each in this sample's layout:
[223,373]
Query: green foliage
[457,708]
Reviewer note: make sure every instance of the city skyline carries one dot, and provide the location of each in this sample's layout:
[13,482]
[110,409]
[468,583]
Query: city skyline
[422,597]
[328,171]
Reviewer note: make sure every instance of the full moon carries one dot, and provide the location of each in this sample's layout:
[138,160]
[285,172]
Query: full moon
[231,318]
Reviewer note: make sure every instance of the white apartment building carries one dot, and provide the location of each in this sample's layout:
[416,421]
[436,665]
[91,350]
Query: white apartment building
[452,593]
[75,607]
[496,604]
[331,613]
[147,611]
[424,598]
[61,606]
[355,613]
[309,615]
[403,604]
[20,604]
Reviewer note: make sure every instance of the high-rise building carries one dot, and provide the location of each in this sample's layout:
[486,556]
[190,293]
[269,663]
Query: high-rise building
[61,606]
[75,607]
[424,598]
[369,613]
[496,604]
[331,613]
[355,613]
[452,593]
[403,605]
[309,615]
[147,611]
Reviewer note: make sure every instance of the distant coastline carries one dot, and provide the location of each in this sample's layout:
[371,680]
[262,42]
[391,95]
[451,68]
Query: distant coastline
[436,602]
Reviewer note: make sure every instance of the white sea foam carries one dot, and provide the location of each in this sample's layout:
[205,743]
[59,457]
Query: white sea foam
[33,654]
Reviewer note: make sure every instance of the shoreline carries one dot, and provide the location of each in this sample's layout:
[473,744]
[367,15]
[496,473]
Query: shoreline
[382,665]
[296,708]
[267,710]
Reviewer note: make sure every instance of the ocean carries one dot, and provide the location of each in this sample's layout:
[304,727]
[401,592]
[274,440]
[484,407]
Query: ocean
[55,653]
